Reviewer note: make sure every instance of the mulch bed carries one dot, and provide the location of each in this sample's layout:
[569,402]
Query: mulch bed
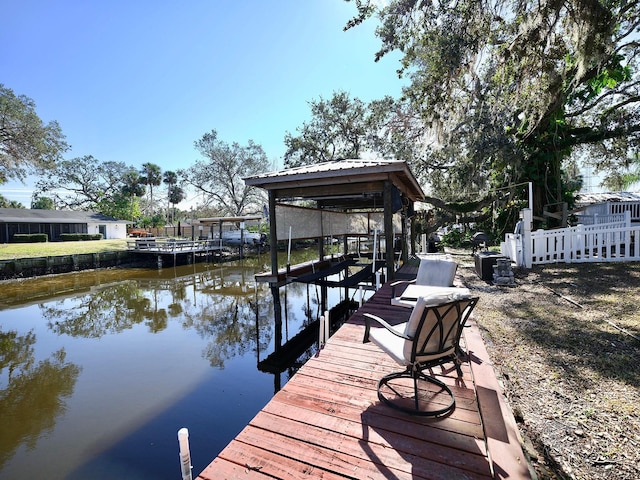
[565,342]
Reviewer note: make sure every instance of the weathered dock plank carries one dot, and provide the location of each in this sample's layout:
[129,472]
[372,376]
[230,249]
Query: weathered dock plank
[327,421]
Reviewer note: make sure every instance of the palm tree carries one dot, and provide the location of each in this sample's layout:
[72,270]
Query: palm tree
[133,184]
[176,195]
[151,175]
[170,178]
[632,176]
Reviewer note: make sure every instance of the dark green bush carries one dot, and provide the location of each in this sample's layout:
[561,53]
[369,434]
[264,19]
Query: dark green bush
[77,237]
[456,238]
[30,238]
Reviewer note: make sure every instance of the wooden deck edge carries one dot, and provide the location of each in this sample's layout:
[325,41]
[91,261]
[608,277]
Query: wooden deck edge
[504,442]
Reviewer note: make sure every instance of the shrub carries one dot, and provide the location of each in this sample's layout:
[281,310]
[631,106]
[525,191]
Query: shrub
[456,238]
[30,238]
[77,237]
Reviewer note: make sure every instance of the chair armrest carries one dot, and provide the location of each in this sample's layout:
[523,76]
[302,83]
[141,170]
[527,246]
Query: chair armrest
[399,282]
[368,317]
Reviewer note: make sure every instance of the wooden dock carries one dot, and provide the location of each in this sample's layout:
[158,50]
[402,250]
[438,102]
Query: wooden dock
[327,422]
[170,246]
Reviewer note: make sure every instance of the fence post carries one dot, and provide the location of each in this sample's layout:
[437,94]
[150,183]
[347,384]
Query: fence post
[626,236]
[527,243]
[580,242]
[569,242]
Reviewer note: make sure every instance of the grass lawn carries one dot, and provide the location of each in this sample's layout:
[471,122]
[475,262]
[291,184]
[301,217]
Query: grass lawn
[10,251]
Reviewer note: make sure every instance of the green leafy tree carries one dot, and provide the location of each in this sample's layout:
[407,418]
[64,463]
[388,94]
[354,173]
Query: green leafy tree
[4,203]
[337,130]
[150,175]
[220,175]
[82,182]
[42,203]
[157,220]
[154,221]
[625,178]
[26,143]
[132,190]
[121,206]
[508,92]
[395,130]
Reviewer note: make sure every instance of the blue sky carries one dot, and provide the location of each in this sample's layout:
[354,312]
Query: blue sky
[141,81]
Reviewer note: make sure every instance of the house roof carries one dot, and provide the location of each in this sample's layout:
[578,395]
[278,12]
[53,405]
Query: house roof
[26,215]
[602,197]
[347,183]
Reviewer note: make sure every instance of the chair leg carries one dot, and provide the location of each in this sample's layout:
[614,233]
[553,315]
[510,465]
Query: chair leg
[415,376]
[458,365]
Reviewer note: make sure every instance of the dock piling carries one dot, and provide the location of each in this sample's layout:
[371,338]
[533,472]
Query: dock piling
[185,454]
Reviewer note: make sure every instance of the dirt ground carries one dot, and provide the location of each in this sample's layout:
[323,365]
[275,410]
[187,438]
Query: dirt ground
[565,342]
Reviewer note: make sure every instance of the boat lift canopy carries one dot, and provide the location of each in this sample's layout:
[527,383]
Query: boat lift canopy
[342,185]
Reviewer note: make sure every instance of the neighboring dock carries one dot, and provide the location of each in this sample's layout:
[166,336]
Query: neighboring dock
[171,247]
[327,422]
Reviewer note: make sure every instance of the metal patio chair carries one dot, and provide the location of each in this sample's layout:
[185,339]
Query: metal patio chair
[429,338]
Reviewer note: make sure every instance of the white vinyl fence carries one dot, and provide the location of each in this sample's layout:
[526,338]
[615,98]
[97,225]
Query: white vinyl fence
[609,212]
[622,207]
[613,241]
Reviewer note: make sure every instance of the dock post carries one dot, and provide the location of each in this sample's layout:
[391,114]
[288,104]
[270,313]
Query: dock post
[185,454]
[321,332]
[327,326]
[277,311]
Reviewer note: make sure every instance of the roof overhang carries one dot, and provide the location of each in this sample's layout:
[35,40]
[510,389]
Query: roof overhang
[341,184]
[218,220]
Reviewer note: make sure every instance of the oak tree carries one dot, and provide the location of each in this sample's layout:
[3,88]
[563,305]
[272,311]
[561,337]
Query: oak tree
[219,174]
[510,92]
[337,130]
[27,144]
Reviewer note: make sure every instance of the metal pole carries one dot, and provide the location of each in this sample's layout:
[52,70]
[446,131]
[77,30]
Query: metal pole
[388,227]
[273,235]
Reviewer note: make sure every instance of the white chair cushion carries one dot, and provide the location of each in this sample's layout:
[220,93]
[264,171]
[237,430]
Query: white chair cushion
[434,299]
[400,349]
[416,314]
[440,272]
[387,341]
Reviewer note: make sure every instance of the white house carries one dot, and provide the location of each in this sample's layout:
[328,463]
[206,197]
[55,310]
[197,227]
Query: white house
[56,222]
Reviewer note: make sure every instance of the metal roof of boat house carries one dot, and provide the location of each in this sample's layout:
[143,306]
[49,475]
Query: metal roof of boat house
[350,183]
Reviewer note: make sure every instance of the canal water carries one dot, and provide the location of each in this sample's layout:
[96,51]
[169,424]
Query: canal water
[99,370]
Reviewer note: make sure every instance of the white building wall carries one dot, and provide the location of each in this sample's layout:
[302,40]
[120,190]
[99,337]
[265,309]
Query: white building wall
[113,230]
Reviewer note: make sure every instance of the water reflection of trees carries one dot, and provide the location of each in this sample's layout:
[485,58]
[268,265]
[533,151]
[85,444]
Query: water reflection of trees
[311,307]
[221,305]
[110,310]
[233,325]
[34,393]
